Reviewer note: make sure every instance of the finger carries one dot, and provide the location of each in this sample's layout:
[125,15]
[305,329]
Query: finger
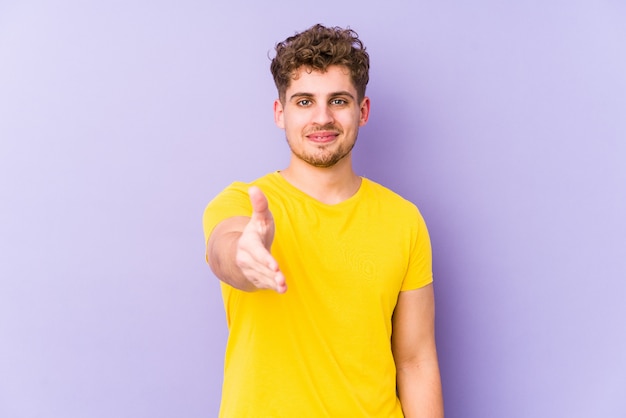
[272,264]
[263,273]
[276,282]
[261,223]
[258,200]
[265,279]
[257,263]
[281,284]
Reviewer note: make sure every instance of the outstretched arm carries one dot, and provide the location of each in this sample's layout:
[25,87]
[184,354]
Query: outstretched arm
[415,354]
[238,250]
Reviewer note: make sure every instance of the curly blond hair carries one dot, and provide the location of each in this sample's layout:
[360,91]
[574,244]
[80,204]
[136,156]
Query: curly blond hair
[316,49]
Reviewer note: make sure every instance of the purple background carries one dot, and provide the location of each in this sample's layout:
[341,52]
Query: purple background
[505,123]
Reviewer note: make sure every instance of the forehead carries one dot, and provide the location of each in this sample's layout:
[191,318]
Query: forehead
[306,80]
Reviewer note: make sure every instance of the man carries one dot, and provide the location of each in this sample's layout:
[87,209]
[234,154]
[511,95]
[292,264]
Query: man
[326,276]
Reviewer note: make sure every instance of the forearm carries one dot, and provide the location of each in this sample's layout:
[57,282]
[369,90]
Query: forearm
[419,389]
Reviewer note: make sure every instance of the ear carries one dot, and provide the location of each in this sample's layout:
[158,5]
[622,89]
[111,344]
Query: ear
[365,111]
[278,114]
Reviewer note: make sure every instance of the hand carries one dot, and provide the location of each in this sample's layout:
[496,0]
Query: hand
[253,248]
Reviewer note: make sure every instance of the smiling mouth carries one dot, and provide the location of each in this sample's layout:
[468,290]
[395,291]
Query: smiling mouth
[322,137]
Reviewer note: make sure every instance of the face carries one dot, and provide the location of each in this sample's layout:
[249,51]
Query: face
[321,116]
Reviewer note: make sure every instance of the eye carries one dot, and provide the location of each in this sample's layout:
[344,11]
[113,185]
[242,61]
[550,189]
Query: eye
[338,102]
[304,103]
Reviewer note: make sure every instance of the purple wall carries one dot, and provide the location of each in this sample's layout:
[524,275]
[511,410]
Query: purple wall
[506,124]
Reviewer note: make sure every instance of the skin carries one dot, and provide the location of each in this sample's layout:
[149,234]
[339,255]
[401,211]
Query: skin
[321,115]
[415,354]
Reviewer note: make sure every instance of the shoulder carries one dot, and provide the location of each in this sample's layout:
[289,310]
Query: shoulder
[393,209]
[388,197]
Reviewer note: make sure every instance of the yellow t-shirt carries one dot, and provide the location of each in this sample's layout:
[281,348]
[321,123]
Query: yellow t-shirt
[322,349]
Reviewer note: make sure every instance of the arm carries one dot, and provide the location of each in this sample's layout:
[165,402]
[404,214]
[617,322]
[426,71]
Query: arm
[415,354]
[238,250]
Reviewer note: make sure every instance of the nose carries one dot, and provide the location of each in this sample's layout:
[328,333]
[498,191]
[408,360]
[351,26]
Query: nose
[323,114]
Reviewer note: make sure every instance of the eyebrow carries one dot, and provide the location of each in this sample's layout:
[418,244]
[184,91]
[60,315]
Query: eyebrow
[310,95]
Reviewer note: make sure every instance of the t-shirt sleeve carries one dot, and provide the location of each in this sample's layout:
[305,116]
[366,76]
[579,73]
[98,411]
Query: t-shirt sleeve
[420,269]
[232,201]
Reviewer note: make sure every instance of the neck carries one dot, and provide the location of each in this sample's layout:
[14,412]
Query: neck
[330,185]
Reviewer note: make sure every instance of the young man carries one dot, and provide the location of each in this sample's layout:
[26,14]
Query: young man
[326,276]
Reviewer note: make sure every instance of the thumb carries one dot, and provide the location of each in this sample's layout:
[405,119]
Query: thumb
[260,207]
[261,221]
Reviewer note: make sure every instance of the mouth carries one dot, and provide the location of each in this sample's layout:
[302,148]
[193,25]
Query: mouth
[322,137]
